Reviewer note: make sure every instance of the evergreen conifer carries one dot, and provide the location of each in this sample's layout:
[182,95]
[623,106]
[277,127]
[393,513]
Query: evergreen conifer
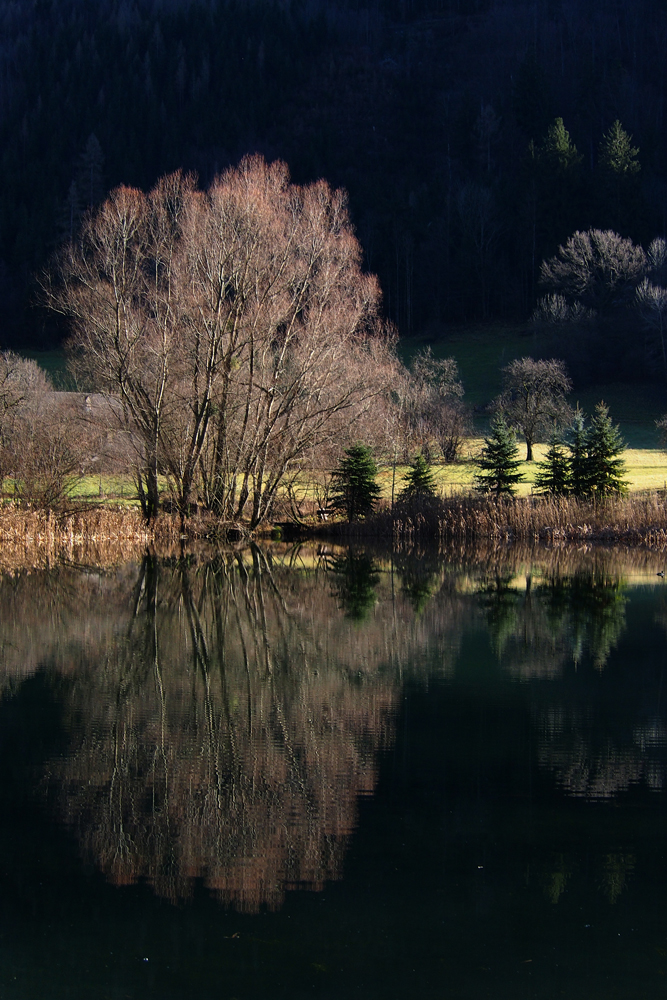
[553,475]
[618,187]
[605,446]
[558,151]
[355,491]
[419,480]
[579,466]
[499,461]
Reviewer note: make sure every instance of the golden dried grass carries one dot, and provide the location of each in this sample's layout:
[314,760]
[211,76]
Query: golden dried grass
[639,519]
[31,539]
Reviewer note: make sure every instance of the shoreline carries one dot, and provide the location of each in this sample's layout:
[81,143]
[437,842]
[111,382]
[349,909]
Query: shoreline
[108,535]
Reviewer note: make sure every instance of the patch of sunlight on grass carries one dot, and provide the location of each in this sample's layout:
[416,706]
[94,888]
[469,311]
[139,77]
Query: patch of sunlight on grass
[646,469]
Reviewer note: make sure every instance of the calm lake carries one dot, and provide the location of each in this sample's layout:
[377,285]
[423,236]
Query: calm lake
[316,772]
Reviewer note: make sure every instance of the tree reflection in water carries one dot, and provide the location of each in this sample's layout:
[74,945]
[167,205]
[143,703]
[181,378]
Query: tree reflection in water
[225,715]
[222,739]
[537,629]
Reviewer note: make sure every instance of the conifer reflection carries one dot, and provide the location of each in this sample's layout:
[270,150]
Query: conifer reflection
[357,579]
[421,577]
[536,629]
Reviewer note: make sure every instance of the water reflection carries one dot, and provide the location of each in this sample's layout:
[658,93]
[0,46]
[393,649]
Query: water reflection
[223,736]
[538,628]
[357,579]
[590,761]
[225,715]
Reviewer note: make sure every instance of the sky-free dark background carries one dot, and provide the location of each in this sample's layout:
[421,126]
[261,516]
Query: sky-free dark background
[425,110]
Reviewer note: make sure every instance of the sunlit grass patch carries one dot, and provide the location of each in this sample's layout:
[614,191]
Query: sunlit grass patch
[646,470]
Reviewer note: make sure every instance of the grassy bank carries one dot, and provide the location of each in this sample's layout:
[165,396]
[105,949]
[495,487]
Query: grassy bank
[646,470]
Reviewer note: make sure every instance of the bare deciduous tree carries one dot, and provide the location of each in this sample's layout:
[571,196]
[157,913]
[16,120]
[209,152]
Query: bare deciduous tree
[41,435]
[21,380]
[433,410]
[555,310]
[235,326]
[533,397]
[657,259]
[45,452]
[597,267]
[651,302]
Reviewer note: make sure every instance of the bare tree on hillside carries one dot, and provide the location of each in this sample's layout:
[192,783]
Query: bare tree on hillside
[597,267]
[651,303]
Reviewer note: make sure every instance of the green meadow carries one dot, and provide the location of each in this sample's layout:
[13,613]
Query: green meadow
[481,352]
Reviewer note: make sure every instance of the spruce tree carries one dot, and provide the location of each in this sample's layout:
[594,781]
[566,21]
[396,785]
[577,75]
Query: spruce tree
[579,466]
[605,447]
[355,491]
[419,480]
[618,187]
[558,173]
[617,154]
[553,475]
[558,151]
[499,461]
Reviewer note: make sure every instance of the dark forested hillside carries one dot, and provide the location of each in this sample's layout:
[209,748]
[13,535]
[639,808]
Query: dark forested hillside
[440,117]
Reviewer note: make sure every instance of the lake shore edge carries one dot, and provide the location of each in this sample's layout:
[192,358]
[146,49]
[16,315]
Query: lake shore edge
[106,535]
[635,520]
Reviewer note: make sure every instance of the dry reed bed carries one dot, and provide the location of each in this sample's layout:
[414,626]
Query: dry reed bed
[636,520]
[32,539]
[640,519]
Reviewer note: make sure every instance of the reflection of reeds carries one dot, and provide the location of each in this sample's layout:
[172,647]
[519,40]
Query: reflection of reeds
[101,537]
[558,560]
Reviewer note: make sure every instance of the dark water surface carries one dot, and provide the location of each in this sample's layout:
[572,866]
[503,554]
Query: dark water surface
[306,773]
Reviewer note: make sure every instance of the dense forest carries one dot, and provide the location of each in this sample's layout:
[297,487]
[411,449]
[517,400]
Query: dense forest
[439,117]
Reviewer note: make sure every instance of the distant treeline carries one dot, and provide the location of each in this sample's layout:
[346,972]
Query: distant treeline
[440,117]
